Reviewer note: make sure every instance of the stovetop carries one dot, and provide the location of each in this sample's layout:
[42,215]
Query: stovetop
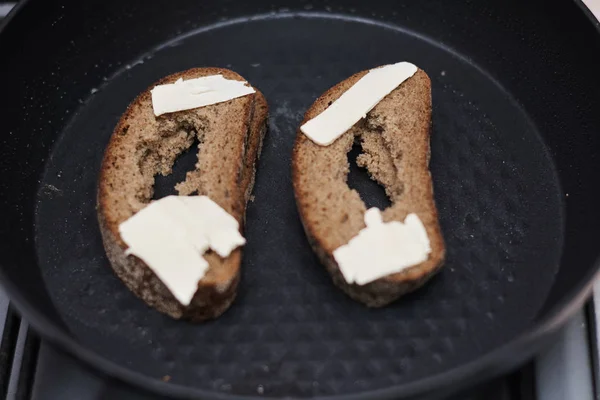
[30,368]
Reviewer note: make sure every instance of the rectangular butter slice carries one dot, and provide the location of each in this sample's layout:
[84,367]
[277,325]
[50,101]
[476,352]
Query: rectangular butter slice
[382,249]
[199,92]
[356,102]
[171,235]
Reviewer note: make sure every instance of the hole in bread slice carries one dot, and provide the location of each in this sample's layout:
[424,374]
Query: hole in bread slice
[166,158]
[359,179]
[164,185]
[373,171]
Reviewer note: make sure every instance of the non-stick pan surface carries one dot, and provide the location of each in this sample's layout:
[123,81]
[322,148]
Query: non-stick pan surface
[514,149]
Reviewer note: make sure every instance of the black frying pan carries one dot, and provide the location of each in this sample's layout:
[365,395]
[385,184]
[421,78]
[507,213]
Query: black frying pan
[515,163]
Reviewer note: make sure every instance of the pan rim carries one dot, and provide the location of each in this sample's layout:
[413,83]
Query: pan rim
[487,366]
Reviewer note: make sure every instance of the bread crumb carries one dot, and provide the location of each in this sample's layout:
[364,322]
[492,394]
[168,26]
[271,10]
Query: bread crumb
[50,190]
[252,197]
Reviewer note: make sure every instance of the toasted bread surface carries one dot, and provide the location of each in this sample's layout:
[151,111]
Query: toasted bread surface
[395,151]
[229,136]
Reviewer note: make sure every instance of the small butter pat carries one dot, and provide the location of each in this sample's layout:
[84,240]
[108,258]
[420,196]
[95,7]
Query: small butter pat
[171,235]
[356,102]
[382,249]
[193,93]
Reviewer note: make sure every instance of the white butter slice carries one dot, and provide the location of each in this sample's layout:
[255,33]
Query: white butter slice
[382,249]
[171,234]
[199,92]
[356,102]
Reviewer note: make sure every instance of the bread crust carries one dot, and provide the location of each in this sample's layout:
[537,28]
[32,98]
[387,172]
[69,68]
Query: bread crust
[125,185]
[395,141]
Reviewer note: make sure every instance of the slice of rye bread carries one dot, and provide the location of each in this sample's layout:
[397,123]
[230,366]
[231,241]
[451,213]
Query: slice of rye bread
[395,151]
[230,136]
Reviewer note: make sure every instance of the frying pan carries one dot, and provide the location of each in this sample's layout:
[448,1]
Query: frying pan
[515,157]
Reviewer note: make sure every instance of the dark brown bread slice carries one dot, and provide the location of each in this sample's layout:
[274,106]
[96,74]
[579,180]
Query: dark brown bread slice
[230,136]
[395,143]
